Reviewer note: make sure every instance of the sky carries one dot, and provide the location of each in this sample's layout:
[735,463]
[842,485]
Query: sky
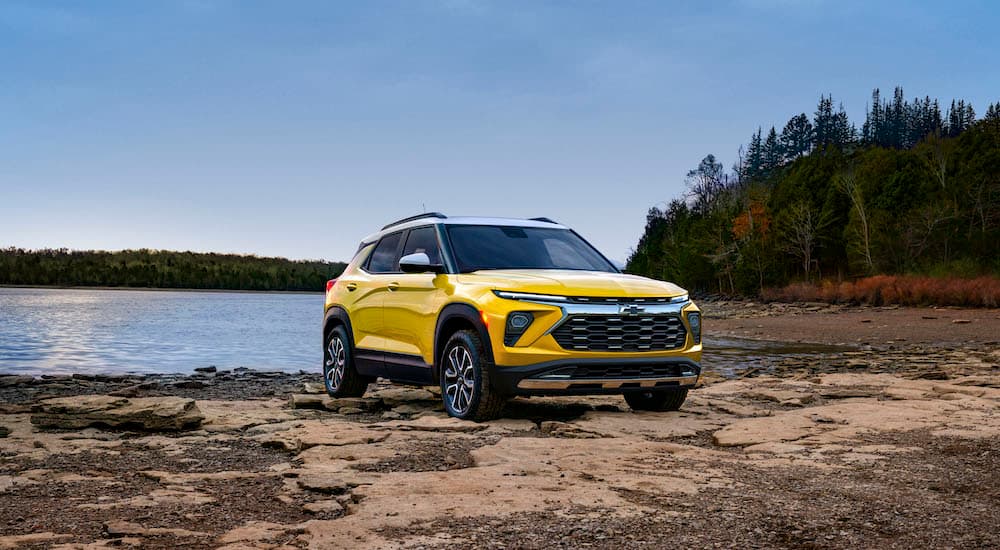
[297,128]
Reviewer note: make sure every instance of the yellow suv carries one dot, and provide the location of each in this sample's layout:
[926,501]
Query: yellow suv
[490,308]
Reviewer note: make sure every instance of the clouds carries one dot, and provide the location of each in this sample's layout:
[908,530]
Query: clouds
[298,126]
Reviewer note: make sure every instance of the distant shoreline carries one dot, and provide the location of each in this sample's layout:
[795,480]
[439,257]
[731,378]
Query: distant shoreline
[159,289]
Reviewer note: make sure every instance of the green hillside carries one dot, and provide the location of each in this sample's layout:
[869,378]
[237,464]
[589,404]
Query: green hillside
[912,191]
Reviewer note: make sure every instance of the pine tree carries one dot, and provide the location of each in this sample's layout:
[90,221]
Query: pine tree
[823,122]
[772,151]
[796,137]
[969,116]
[993,115]
[842,132]
[876,121]
[954,120]
[755,157]
[898,125]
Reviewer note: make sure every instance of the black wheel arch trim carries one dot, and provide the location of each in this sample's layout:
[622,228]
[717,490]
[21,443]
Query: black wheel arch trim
[467,312]
[340,314]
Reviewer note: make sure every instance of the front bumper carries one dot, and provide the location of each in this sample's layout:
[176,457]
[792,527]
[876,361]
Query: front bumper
[595,376]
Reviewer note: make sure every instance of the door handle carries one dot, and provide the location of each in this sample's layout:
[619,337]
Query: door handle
[393,287]
[351,287]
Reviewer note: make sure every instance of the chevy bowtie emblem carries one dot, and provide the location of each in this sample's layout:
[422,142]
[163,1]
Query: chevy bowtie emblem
[630,309]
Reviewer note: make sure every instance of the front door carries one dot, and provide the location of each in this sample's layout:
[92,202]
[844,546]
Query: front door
[409,311]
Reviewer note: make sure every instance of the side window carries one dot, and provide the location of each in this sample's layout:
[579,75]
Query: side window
[423,239]
[383,258]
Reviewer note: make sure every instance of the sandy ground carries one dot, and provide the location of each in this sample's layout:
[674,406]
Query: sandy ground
[892,445]
[854,325]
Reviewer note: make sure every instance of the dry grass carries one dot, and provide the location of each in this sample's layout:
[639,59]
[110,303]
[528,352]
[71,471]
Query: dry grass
[894,289]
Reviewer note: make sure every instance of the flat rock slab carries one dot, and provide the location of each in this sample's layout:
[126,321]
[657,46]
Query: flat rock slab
[147,413]
[432,423]
[753,431]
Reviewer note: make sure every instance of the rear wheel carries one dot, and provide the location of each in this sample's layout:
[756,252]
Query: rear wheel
[339,375]
[656,400]
[465,382]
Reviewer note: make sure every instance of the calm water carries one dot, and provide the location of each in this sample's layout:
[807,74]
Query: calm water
[55,331]
[48,331]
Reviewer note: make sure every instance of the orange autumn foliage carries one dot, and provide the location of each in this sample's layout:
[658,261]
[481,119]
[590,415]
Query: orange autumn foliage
[753,220]
[904,290]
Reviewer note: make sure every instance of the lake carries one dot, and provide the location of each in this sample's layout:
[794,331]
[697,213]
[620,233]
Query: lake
[55,331]
[62,331]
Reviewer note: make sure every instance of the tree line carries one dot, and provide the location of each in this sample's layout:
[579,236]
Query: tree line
[915,190]
[162,269]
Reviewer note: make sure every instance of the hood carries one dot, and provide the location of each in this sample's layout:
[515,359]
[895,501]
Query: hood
[573,283]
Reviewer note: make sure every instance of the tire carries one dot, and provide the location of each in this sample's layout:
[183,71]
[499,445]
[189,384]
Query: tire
[340,376]
[656,400]
[464,358]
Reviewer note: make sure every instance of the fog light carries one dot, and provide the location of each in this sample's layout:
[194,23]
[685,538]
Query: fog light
[694,321]
[517,323]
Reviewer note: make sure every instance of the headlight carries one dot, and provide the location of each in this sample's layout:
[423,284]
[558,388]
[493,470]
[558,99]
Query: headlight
[517,323]
[694,321]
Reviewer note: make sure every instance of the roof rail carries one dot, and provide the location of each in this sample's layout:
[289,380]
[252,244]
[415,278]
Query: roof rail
[546,220]
[417,217]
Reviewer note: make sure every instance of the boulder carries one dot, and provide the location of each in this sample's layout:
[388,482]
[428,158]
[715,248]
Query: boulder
[366,404]
[307,401]
[312,387]
[324,507]
[323,484]
[394,396]
[147,413]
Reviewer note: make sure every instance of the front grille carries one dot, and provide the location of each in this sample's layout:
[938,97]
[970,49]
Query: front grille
[627,300]
[621,332]
[633,370]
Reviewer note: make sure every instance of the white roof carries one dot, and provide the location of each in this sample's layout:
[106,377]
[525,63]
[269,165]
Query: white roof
[462,220]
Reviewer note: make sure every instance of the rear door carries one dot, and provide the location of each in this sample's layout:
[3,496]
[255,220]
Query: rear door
[369,286]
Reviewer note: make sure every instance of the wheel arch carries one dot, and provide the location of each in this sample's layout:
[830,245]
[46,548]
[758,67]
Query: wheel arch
[337,316]
[455,317]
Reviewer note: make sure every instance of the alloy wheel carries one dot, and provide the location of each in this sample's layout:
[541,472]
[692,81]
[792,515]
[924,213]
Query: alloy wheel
[460,379]
[336,363]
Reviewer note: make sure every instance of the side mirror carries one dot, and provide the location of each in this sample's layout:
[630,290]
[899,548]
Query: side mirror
[418,262]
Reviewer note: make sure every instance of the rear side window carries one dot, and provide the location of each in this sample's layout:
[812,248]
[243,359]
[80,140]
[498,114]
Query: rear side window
[383,258]
[423,239]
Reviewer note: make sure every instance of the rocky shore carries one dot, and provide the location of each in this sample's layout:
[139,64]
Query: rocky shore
[876,443]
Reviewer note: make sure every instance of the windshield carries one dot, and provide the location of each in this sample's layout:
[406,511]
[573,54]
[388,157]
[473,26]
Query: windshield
[508,247]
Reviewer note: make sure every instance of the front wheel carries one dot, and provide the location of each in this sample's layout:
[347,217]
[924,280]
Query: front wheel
[465,383]
[656,400]
[339,375]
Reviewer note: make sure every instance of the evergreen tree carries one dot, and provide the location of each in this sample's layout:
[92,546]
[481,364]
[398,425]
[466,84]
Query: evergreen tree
[823,122]
[797,137]
[897,124]
[876,121]
[773,152]
[842,133]
[755,157]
